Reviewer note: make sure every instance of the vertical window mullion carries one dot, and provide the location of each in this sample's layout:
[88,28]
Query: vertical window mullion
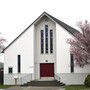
[19,63]
[51,41]
[42,41]
[46,38]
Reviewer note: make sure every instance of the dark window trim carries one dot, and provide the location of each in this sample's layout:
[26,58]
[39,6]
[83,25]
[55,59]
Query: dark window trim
[51,41]
[72,63]
[46,39]
[42,41]
[10,70]
[19,63]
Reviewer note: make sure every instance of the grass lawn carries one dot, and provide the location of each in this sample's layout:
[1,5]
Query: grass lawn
[4,86]
[77,87]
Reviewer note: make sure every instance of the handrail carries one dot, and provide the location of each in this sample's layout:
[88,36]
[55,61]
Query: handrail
[26,78]
[57,77]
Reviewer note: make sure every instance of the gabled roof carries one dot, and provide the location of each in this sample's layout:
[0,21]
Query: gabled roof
[70,29]
[67,27]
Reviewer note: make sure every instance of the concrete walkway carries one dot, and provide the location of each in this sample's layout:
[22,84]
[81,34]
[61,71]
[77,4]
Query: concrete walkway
[35,88]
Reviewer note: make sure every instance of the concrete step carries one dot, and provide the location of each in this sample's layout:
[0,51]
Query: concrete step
[44,83]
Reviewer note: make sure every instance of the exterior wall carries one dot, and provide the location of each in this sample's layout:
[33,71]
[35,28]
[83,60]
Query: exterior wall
[28,46]
[63,60]
[85,69]
[62,50]
[41,58]
[9,79]
[63,53]
[72,78]
[37,71]
[22,46]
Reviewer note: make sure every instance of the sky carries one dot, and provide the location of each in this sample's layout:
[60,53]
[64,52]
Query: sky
[16,15]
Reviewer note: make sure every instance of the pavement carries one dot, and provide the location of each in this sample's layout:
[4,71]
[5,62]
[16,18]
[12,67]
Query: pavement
[34,88]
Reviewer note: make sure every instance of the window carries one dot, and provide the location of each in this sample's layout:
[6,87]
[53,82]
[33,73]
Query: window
[10,70]
[42,41]
[19,63]
[51,41]
[72,63]
[46,38]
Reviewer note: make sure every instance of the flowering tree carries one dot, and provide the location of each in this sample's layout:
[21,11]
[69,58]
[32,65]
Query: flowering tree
[2,46]
[80,45]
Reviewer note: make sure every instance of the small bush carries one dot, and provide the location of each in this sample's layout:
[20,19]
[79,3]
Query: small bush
[87,81]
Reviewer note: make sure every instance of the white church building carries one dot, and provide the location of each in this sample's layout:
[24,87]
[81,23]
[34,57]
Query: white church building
[41,52]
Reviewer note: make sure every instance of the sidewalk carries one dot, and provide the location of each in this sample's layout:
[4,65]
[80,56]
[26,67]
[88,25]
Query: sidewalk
[35,88]
[16,88]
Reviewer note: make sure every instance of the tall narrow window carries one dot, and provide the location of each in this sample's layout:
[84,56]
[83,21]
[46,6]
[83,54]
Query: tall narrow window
[46,38]
[72,63]
[42,41]
[19,63]
[51,41]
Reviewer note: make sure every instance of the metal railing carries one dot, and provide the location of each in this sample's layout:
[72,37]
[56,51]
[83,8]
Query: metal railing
[56,77]
[26,79]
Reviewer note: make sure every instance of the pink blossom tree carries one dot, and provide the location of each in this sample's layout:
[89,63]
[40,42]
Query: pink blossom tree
[2,41]
[80,44]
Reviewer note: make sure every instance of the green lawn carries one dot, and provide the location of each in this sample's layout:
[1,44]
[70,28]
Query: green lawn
[4,86]
[77,87]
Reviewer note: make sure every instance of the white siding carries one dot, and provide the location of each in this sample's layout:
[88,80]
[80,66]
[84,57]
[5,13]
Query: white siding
[63,53]
[85,69]
[63,60]
[37,71]
[23,46]
[72,78]
[28,46]
[62,50]
[41,58]
[9,79]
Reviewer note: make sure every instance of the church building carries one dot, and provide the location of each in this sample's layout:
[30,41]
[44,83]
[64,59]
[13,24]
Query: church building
[41,52]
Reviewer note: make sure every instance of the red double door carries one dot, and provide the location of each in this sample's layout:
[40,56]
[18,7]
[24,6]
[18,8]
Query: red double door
[47,70]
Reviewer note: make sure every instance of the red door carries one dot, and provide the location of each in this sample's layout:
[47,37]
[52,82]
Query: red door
[47,70]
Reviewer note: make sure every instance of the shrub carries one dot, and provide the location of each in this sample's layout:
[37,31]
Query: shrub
[87,81]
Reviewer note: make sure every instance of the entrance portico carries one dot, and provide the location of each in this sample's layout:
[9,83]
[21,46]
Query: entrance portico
[45,49]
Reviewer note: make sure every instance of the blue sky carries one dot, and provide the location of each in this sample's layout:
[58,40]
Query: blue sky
[16,15]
